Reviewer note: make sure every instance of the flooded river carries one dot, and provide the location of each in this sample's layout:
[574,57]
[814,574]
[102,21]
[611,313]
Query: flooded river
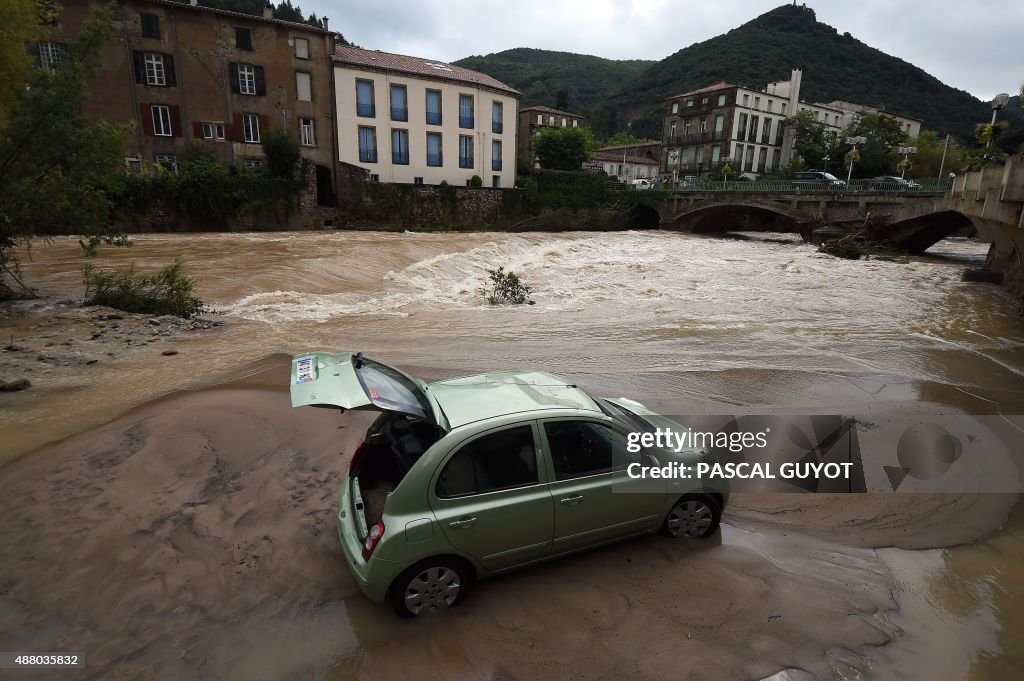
[682,323]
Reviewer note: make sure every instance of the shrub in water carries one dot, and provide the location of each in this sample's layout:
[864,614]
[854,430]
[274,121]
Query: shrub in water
[506,289]
[169,291]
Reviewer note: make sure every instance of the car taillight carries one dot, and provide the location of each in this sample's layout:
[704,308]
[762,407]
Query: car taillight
[372,539]
[355,455]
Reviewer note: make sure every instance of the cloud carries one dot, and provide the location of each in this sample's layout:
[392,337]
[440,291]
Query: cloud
[972,46]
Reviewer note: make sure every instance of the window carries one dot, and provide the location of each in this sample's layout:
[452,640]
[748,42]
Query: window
[752,136]
[766,131]
[699,156]
[253,163]
[213,131]
[770,105]
[551,120]
[757,102]
[400,147]
[466,111]
[168,162]
[307,135]
[364,99]
[721,100]
[150,25]
[466,152]
[686,126]
[675,107]
[51,55]
[161,120]
[133,164]
[374,177]
[434,158]
[251,128]
[540,119]
[496,181]
[746,100]
[689,103]
[399,108]
[762,159]
[433,107]
[246,79]
[738,155]
[496,461]
[575,123]
[301,48]
[243,38]
[672,129]
[776,158]
[563,122]
[497,116]
[703,125]
[155,74]
[418,181]
[367,145]
[684,157]
[716,153]
[495,155]
[582,448]
[719,126]
[779,132]
[303,87]
[704,101]
[783,108]
[748,164]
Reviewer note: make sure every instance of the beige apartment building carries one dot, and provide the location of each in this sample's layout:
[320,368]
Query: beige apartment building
[419,121]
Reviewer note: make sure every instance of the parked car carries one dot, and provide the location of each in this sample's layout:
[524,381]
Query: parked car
[817,179]
[471,477]
[642,183]
[894,183]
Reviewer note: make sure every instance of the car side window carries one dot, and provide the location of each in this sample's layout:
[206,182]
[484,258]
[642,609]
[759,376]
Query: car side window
[580,448]
[496,461]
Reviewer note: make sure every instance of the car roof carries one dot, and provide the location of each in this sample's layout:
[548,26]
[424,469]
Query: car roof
[483,396]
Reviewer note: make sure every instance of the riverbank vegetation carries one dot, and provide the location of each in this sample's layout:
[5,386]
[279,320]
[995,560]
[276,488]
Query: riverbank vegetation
[506,288]
[167,292]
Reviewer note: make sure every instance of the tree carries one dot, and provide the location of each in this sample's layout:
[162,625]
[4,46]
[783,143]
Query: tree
[564,148]
[282,152]
[878,155]
[22,24]
[813,140]
[624,139]
[54,164]
[928,159]
[285,11]
[562,100]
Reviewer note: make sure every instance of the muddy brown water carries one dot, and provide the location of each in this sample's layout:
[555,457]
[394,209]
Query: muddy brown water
[675,321]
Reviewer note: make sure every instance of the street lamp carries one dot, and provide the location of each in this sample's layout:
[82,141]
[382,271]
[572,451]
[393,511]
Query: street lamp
[998,102]
[854,141]
[906,151]
[826,160]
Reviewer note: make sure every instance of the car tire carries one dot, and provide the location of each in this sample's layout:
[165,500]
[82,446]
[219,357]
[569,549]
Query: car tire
[693,516]
[430,586]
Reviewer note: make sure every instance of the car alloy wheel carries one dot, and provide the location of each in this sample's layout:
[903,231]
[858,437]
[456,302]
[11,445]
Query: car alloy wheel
[429,587]
[693,517]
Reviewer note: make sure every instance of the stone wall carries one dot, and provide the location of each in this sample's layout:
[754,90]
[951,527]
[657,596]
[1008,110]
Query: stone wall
[432,207]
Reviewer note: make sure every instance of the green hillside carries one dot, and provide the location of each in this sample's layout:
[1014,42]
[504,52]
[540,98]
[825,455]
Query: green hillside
[580,81]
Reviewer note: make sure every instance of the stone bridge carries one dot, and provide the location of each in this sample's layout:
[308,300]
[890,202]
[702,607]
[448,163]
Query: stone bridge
[990,200]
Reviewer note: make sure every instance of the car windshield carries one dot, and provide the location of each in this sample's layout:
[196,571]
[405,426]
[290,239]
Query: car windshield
[624,416]
[830,176]
[392,390]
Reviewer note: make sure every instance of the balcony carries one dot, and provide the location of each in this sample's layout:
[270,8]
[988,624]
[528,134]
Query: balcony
[466,121]
[497,127]
[466,162]
[367,155]
[495,164]
[434,160]
[433,118]
[400,158]
[365,109]
[399,113]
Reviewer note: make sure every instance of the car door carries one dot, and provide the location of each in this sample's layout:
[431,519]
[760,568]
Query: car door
[594,500]
[491,499]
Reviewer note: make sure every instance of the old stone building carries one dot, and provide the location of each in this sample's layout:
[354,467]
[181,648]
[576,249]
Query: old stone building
[182,73]
[531,120]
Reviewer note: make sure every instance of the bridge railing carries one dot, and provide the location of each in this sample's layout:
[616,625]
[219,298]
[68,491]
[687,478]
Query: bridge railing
[789,187]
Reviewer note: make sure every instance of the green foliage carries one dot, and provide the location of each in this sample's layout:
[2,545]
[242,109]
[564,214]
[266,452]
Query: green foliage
[928,159]
[282,152]
[506,288]
[564,148]
[476,181]
[54,164]
[169,291]
[565,189]
[23,22]
[623,139]
[542,75]
[91,242]
[878,155]
[813,141]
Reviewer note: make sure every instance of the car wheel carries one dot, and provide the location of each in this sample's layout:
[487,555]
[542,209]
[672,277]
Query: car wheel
[430,586]
[694,516]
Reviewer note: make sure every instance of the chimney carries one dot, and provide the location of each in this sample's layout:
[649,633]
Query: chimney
[324,20]
[268,11]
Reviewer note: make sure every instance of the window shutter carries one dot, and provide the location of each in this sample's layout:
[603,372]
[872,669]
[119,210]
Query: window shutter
[140,66]
[261,83]
[234,78]
[197,129]
[169,70]
[176,127]
[264,126]
[146,115]
[239,128]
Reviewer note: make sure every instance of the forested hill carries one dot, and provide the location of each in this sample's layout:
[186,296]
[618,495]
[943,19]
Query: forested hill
[835,66]
[564,80]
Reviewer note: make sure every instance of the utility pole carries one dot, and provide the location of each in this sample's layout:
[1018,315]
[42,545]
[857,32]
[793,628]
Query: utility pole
[942,163]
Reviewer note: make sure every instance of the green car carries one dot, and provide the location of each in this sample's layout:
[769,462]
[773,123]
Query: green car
[471,477]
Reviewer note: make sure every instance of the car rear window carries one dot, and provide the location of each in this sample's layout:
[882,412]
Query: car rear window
[502,460]
[391,390]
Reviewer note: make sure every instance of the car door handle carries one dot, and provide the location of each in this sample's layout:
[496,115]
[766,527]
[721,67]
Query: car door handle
[571,501]
[463,522]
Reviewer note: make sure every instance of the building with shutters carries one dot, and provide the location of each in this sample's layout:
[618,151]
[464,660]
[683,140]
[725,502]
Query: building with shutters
[183,73]
[419,121]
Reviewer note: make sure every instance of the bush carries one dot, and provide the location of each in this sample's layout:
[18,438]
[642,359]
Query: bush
[169,291]
[476,181]
[506,289]
[282,152]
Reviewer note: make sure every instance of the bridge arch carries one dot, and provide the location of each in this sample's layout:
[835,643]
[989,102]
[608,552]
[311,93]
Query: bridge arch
[743,216]
[919,233]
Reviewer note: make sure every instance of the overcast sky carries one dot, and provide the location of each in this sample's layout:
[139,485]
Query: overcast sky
[974,46]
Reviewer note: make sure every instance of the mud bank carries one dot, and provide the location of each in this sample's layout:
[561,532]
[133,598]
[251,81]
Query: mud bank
[194,538]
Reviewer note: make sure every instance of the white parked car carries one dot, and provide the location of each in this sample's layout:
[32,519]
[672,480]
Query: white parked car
[642,183]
